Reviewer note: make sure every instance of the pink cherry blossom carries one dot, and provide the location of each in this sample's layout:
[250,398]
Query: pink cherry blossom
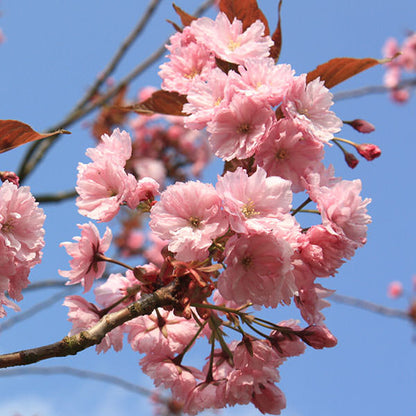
[286,153]
[307,105]
[117,147]
[187,65]
[161,333]
[204,99]
[165,372]
[84,265]
[263,80]
[102,188]
[117,287]
[258,270]
[268,398]
[84,315]
[238,129]
[251,202]
[189,216]
[285,343]
[344,210]
[21,238]
[228,41]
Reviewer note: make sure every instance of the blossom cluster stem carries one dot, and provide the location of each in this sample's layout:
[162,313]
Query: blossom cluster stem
[71,345]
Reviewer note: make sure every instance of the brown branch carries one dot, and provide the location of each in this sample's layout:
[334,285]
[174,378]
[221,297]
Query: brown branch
[56,197]
[369,306]
[35,309]
[64,370]
[372,89]
[38,149]
[71,345]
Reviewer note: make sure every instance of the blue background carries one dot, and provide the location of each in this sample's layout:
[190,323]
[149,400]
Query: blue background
[53,52]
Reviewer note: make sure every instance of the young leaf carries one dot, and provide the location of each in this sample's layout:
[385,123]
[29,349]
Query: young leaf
[14,133]
[161,102]
[245,10]
[277,37]
[339,69]
[186,18]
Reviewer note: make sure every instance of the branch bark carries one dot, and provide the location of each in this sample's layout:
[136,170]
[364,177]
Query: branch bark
[71,345]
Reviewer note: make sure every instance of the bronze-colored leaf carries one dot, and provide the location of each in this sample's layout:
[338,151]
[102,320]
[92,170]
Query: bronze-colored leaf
[226,66]
[160,102]
[247,11]
[339,69]
[14,133]
[186,18]
[277,37]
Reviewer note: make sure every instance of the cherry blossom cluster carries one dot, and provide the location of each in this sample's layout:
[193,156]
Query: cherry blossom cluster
[405,60]
[21,240]
[232,245]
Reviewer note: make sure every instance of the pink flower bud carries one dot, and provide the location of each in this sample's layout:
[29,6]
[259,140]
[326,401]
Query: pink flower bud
[6,175]
[318,337]
[395,290]
[368,151]
[399,95]
[351,160]
[362,126]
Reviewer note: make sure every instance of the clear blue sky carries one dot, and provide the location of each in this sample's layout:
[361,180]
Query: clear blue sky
[53,52]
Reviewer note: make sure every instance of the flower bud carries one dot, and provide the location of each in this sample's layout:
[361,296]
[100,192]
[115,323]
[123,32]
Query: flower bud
[6,175]
[395,290]
[351,160]
[362,126]
[368,151]
[318,337]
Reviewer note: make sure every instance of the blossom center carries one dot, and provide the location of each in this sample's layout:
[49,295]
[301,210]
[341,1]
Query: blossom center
[233,45]
[249,210]
[243,128]
[282,154]
[191,74]
[195,222]
[247,262]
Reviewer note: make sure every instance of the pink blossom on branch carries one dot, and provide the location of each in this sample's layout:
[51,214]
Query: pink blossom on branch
[236,131]
[189,215]
[85,263]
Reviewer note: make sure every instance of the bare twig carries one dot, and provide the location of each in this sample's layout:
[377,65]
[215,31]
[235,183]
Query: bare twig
[106,378]
[372,89]
[38,149]
[369,306]
[45,284]
[71,345]
[35,309]
[56,197]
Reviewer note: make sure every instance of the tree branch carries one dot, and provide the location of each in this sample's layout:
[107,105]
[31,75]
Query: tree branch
[71,345]
[35,309]
[39,148]
[106,378]
[56,197]
[369,306]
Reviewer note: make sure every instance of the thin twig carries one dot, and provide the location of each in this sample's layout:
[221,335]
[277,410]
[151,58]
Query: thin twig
[38,149]
[56,197]
[35,309]
[369,306]
[112,65]
[65,370]
[372,89]
[45,284]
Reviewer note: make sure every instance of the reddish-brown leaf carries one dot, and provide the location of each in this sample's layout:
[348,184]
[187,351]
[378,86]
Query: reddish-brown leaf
[245,10]
[160,102]
[14,133]
[226,66]
[277,37]
[339,69]
[186,18]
